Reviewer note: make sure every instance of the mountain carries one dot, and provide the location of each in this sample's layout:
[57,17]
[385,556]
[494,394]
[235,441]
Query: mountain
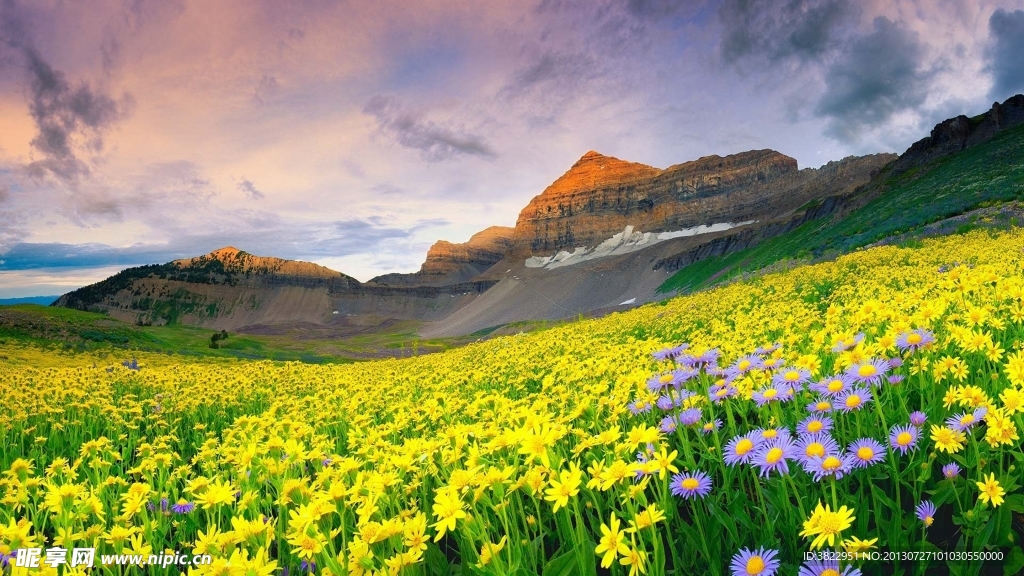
[600,196]
[232,289]
[449,263]
[605,234]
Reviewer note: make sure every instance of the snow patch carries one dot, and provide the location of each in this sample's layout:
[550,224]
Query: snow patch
[623,243]
[630,301]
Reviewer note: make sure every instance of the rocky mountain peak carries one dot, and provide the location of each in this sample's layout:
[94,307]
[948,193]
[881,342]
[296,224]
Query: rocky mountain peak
[225,253]
[600,196]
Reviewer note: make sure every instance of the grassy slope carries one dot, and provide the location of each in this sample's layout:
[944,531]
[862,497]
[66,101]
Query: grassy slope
[989,173]
[75,330]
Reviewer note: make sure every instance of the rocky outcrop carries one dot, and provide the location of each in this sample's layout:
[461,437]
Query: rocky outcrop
[229,289]
[232,261]
[449,263]
[600,196]
[959,133]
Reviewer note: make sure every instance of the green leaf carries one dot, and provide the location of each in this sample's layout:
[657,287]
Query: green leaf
[436,561]
[985,534]
[946,492]
[563,565]
[724,519]
[1014,562]
[1015,502]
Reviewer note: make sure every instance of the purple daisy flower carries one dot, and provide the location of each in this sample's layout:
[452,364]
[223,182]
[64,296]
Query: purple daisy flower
[833,386]
[690,416]
[814,425]
[815,446]
[768,349]
[670,353]
[965,421]
[865,452]
[681,396]
[741,449]
[639,407]
[665,403]
[844,345]
[760,562]
[853,399]
[894,379]
[660,382]
[766,395]
[708,358]
[918,418]
[712,426]
[687,485]
[869,371]
[668,424]
[183,507]
[951,470]
[926,512]
[836,466]
[766,434]
[826,568]
[719,392]
[895,362]
[914,340]
[903,438]
[791,375]
[747,363]
[820,406]
[773,456]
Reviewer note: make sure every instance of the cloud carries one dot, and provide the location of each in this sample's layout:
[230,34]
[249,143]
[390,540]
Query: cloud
[782,29]
[555,68]
[69,119]
[656,9]
[260,233]
[1006,53]
[434,141]
[63,114]
[250,190]
[266,89]
[879,75]
[24,283]
[5,193]
[49,256]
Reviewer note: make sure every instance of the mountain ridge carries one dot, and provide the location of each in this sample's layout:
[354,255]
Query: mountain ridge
[666,220]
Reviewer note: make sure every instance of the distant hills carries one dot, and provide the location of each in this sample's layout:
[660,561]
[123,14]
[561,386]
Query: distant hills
[608,233]
[41,300]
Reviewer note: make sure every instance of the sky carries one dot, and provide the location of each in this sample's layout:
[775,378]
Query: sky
[355,134]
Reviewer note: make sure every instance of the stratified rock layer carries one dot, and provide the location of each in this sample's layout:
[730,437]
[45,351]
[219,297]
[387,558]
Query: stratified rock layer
[600,195]
[449,262]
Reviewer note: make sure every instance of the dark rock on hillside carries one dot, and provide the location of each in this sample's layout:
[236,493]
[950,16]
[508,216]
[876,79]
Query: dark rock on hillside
[959,133]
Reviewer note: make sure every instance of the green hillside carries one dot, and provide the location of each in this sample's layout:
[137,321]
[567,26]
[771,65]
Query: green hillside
[983,175]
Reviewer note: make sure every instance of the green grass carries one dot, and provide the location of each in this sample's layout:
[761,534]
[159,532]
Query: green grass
[986,174]
[75,330]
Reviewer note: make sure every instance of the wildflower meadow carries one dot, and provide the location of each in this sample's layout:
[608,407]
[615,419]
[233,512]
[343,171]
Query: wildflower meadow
[843,418]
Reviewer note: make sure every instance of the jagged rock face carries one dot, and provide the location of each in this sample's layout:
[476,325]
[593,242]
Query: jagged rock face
[956,134]
[449,262]
[599,196]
